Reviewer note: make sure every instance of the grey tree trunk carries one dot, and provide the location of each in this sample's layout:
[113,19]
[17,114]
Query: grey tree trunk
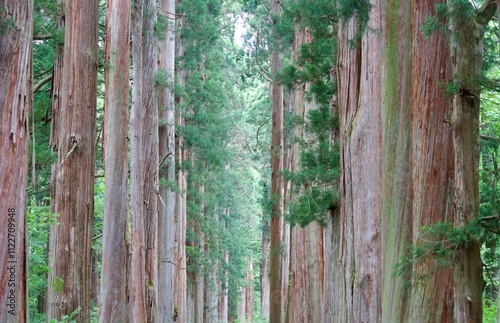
[113,307]
[166,208]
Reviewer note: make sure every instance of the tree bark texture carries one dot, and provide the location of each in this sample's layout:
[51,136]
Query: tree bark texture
[144,164]
[113,307]
[466,47]
[264,271]
[166,217]
[180,298]
[421,170]
[359,112]
[72,186]
[15,103]
[276,303]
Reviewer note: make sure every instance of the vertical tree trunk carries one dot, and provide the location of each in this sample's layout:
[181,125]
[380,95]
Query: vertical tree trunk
[212,285]
[306,297]
[264,271]
[466,47]
[150,154]
[432,179]
[224,290]
[113,307]
[166,219]
[200,275]
[73,177]
[275,263]
[144,164]
[396,184]
[137,270]
[248,294]
[15,103]
[180,298]
[359,111]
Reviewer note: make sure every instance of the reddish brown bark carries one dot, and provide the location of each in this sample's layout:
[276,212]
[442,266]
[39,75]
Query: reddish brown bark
[15,103]
[113,307]
[264,271]
[72,191]
[277,305]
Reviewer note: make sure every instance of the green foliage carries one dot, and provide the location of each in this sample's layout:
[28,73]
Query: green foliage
[437,22]
[39,218]
[489,312]
[67,318]
[5,21]
[440,243]
[318,173]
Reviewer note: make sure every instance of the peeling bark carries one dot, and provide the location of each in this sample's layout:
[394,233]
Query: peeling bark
[72,186]
[15,103]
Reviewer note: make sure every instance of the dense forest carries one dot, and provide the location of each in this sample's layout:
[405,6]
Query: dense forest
[249,161]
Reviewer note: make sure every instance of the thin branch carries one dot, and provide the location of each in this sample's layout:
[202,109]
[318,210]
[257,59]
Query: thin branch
[258,130]
[42,82]
[96,237]
[484,137]
[248,146]
[44,72]
[42,37]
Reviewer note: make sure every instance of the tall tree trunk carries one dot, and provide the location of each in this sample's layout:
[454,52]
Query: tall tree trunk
[212,285]
[224,282]
[15,103]
[432,179]
[466,47]
[166,219]
[277,226]
[264,271]
[113,307]
[306,297]
[150,153]
[248,294]
[137,275]
[73,177]
[359,112]
[180,298]
[144,164]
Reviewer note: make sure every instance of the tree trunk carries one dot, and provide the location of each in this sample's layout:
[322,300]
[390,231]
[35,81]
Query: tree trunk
[306,297]
[113,307]
[264,271]
[72,191]
[248,295]
[180,298]
[137,302]
[16,27]
[277,226]
[144,164]
[166,219]
[359,112]
[466,47]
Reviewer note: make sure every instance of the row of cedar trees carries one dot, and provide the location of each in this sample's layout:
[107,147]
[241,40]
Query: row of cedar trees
[409,158]
[144,276]
[402,167]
